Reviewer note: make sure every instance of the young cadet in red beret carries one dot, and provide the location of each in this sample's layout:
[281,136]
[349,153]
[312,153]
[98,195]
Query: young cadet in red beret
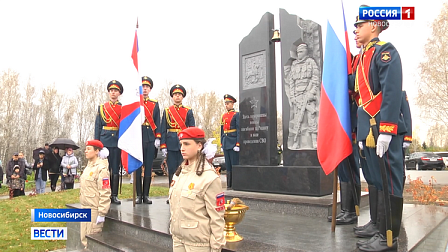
[95,188]
[196,197]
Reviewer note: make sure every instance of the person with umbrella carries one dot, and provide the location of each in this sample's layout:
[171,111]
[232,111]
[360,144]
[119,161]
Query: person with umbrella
[107,124]
[69,164]
[55,163]
[56,160]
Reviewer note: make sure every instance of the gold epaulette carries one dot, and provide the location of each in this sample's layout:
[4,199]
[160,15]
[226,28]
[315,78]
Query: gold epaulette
[380,43]
[153,100]
[187,107]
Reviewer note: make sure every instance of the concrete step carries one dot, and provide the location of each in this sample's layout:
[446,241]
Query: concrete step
[112,241]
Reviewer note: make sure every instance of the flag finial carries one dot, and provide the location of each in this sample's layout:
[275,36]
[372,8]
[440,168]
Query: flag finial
[137,24]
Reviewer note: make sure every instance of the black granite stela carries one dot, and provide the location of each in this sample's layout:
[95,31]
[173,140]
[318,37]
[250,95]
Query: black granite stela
[258,112]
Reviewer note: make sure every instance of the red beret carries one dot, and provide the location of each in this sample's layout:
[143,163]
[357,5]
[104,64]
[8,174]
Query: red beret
[95,143]
[191,133]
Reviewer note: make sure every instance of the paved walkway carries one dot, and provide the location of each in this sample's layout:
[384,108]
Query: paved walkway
[437,240]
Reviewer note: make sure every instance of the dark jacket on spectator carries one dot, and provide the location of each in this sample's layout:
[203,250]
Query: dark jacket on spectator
[10,169]
[54,163]
[44,168]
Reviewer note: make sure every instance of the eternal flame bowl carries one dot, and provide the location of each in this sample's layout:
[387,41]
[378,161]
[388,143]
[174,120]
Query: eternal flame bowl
[232,217]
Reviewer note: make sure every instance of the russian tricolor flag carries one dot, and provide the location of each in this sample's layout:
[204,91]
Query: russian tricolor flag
[334,129]
[130,133]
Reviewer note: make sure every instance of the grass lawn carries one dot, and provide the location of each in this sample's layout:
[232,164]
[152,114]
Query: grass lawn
[16,217]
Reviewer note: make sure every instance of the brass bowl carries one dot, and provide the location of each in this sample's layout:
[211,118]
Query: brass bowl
[233,217]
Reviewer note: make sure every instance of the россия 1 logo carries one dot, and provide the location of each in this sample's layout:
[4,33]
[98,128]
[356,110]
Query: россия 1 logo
[386,13]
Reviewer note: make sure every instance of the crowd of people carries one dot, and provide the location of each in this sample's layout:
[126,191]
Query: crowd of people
[48,165]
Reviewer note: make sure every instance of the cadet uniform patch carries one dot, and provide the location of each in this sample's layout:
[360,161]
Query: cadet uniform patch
[218,209]
[385,56]
[220,199]
[106,184]
[191,186]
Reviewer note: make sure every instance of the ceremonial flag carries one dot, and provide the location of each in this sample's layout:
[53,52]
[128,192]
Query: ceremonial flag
[334,129]
[130,133]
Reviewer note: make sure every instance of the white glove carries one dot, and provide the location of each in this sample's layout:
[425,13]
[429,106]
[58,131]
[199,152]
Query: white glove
[222,150]
[236,148]
[164,152]
[361,147]
[99,219]
[157,143]
[383,144]
[406,145]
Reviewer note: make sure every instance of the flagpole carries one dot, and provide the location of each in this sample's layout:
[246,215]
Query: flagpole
[335,200]
[134,174]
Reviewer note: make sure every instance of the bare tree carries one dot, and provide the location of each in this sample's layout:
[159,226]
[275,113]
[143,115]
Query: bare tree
[164,98]
[10,103]
[433,88]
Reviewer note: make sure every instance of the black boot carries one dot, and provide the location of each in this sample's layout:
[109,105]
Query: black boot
[380,243]
[349,216]
[138,186]
[229,180]
[114,199]
[343,208]
[146,186]
[371,228]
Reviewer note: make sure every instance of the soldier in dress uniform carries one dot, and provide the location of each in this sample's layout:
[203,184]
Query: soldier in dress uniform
[175,118]
[369,229]
[349,180]
[107,124]
[150,141]
[94,181]
[407,137]
[378,81]
[230,131]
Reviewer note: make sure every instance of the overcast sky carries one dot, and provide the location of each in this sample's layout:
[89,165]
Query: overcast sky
[194,43]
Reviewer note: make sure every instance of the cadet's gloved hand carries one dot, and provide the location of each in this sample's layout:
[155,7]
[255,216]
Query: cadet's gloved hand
[164,152]
[406,145]
[383,144]
[236,148]
[157,143]
[99,219]
[222,150]
[361,147]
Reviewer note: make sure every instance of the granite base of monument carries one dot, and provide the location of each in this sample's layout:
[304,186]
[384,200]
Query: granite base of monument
[146,228]
[294,180]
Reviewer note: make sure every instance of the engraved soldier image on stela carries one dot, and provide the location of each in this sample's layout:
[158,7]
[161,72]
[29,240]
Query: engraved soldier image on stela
[254,70]
[302,86]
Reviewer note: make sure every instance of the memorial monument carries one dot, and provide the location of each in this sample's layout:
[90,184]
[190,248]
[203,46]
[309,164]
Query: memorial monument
[301,53]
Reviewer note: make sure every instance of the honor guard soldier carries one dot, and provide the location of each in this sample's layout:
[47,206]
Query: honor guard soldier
[175,119]
[150,141]
[379,82]
[370,229]
[407,137]
[230,131]
[107,124]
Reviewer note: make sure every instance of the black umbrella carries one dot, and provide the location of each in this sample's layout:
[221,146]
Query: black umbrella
[36,153]
[63,143]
